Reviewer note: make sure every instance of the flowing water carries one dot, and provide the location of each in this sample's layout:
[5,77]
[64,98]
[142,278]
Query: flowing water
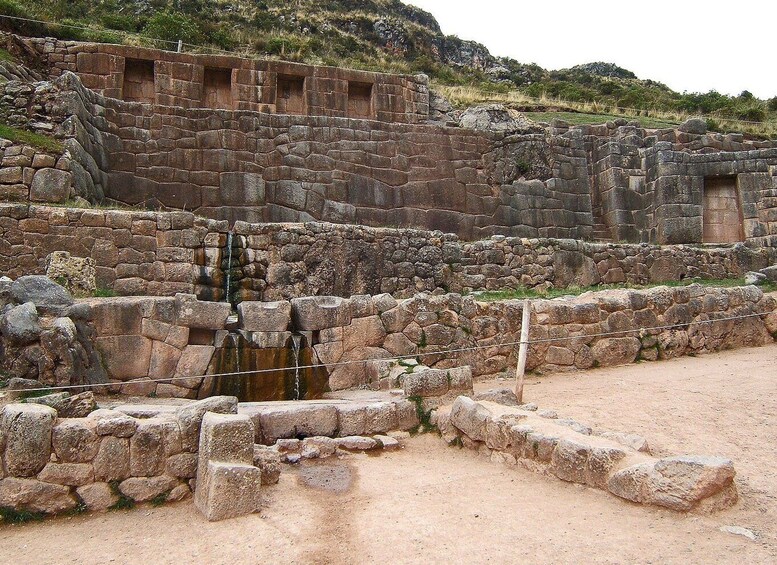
[229,265]
[296,342]
[283,375]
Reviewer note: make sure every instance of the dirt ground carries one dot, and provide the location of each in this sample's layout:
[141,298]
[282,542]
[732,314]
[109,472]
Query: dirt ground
[434,504]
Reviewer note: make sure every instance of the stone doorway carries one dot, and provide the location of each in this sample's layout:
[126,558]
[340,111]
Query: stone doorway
[217,88]
[290,96]
[721,212]
[139,81]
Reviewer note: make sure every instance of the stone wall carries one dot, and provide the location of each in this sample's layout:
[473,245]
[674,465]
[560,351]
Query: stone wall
[178,79]
[649,185]
[78,169]
[162,338]
[629,183]
[155,253]
[52,465]
[566,331]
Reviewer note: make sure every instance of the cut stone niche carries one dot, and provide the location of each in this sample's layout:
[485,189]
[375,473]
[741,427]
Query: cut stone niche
[139,81]
[359,100]
[290,95]
[217,88]
[722,217]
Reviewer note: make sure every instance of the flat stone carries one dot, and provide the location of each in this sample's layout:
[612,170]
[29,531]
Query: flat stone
[194,313]
[320,312]
[143,489]
[356,443]
[389,443]
[71,474]
[264,316]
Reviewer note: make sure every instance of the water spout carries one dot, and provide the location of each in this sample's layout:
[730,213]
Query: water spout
[229,265]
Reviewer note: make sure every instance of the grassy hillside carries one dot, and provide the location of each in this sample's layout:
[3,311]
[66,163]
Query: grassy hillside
[385,35]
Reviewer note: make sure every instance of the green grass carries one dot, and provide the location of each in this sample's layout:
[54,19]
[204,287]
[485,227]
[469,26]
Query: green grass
[102,292]
[31,138]
[520,293]
[6,56]
[11,516]
[577,119]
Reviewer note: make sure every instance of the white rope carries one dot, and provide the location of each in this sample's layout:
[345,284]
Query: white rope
[400,357]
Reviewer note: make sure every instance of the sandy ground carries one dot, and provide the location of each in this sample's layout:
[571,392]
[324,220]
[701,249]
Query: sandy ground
[433,504]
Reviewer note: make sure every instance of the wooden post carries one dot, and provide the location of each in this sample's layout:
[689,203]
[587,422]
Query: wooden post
[180,45]
[523,349]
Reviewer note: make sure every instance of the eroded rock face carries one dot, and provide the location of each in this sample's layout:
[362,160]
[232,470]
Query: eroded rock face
[77,274]
[495,117]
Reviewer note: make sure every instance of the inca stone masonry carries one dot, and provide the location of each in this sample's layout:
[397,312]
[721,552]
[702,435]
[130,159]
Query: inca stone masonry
[259,141]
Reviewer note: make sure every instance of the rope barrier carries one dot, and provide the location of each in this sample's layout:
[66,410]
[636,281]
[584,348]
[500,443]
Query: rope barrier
[404,357]
[179,43]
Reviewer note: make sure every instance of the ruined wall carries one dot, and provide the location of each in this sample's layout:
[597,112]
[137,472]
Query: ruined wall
[189,81]
[163,253]
[630,183]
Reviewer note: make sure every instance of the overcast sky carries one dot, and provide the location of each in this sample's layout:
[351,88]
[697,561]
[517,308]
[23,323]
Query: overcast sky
[690,45]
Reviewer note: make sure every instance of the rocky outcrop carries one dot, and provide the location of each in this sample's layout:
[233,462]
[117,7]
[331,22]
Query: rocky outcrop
[46,338]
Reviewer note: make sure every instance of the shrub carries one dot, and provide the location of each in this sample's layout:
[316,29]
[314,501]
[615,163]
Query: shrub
[173,26]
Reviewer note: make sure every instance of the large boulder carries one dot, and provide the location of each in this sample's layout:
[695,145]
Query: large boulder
[50,185]
[20,325]
[679,483]
[48,296]
[27,429]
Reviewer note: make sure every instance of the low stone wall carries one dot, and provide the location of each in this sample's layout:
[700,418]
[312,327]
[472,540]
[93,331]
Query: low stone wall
[450,330]
[164,253]
[177,338]
[570,451]
[53,465]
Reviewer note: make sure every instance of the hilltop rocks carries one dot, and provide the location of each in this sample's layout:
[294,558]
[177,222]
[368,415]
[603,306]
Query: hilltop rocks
[495,117]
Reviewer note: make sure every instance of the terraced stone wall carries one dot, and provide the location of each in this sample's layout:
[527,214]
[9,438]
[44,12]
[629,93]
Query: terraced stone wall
[164,253]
